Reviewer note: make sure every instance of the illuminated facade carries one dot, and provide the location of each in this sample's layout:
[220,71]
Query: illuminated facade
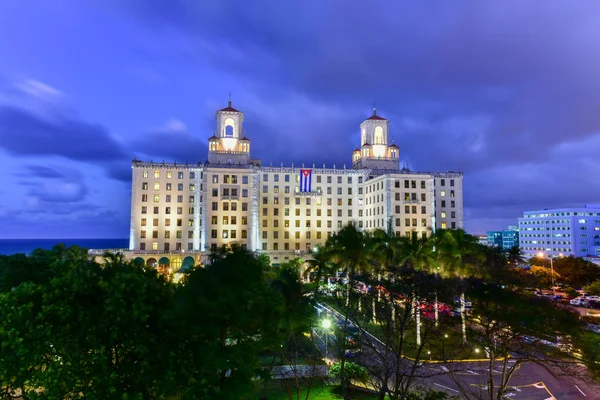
[184,211]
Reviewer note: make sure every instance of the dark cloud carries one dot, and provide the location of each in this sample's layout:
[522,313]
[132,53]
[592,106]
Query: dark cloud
[23,133]
[41,171]
[169,145]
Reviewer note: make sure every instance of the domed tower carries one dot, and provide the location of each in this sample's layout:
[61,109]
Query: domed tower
[228,146]
[375,151]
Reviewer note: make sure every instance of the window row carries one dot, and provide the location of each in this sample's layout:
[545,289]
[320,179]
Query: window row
[178,222]
[228,234]
[167,234]
[156,198]
[167,246]
[168,186]
[169,174]
[230,179]
[168,210]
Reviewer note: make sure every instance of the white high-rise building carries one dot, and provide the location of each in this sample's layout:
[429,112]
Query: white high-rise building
[561,231]
[181,212]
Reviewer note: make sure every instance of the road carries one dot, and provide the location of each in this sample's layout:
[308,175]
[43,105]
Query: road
[530,382]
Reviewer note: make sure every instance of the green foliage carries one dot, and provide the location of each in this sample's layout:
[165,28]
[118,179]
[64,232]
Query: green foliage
[349,371]
[593,288]
[576,271]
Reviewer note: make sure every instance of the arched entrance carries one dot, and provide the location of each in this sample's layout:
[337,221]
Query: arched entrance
[176,264]
[151,262]
[188,263]
[139,261]
[163,266]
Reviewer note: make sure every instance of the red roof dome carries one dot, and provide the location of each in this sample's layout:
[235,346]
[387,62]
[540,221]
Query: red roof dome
[375,116]
[229,108]
[245,139]
[394,145]
[213,137]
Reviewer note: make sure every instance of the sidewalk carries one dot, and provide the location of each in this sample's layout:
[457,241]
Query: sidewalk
[292,371]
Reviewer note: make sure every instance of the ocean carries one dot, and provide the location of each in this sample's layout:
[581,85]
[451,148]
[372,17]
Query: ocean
[12,246]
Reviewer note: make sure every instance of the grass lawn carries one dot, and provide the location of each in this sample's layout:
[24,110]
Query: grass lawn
[276,390]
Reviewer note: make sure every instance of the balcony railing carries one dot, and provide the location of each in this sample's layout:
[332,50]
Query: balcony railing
[230,196]
[411,201]
[308,194]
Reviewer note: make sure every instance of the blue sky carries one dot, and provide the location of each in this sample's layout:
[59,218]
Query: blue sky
[508,92]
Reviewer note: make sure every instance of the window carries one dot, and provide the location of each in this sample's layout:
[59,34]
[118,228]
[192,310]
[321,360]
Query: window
[144,197]
[156,198]
[244,220]
[244,234]
[144,185]
[167,210]
[444,225]
[225,234]
[215,179]
[233,234]
[168,198]
[192,187]
[155,210]
[167,234]
[143,234]
[452,193]
[156,174]
[443,214]
[245,179]
[244,192]
[225,206]
[144,209]
[145,174]
[215,192]
[443,193]
[180,175]
[179,222]
[156,186]
[190,234]
[154,234]
[213,234]
[180,187]
[244,206]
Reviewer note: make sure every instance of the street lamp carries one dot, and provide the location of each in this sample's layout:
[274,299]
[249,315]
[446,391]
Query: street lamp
[541,255]
[326,324]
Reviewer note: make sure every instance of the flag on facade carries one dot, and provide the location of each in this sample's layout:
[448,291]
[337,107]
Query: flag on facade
[305,180]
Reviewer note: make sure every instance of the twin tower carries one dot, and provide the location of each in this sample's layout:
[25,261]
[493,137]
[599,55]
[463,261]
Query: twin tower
[231,146]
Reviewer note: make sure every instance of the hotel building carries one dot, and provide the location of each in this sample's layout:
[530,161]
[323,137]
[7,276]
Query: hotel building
[182,212]
[561,231]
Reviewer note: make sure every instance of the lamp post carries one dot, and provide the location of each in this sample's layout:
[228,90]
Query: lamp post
[541,255]
[326,324]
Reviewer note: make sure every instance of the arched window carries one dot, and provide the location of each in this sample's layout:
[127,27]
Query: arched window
[378,135]
[229,131]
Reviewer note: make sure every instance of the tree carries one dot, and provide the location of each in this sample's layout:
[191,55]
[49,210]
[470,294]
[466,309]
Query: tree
[348,248]
[514,328]
[348,373]
[226,315]
[576,271]
[542,276]
[384,246]
[593,288]
[416,253]
[102,333]
[319,265]
[462,261]
[514,256]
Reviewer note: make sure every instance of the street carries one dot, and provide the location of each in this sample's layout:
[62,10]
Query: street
[529,382]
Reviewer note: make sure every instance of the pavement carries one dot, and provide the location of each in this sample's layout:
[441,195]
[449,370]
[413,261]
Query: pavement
[529,382]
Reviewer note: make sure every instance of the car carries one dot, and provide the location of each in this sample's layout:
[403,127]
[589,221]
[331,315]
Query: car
[578,301]
[592,298]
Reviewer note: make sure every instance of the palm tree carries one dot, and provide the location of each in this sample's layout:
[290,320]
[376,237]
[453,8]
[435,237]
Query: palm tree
[439,246]
[319,264]
[383,247]
[461,258]
[514,256]
[417,253]
[348,248]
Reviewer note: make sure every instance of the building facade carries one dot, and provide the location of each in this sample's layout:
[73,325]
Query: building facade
[504,239]
[180,212]
[561,231]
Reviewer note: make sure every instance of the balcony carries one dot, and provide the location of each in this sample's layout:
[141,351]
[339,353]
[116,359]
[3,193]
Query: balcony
[411,201]
[230,196]
[308,194]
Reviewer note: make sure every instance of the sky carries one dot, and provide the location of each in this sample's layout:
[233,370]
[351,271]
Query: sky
[507,92]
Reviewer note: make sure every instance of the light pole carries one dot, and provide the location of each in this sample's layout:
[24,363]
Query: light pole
[541,255]
[326,325]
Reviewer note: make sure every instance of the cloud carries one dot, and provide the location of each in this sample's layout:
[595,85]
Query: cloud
[38,89]
[171,142]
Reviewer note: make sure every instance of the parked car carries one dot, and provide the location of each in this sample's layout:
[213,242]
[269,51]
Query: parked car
[592,298]
[578,301]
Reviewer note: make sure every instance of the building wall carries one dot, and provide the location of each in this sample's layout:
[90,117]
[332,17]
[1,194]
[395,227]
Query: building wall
[568,231]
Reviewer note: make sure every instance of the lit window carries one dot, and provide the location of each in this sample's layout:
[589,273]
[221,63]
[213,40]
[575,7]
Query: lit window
[169,174]
[156,198]
[444,225]
[443,214]
[154,246]
[443,193]
[157,174]
[145,174]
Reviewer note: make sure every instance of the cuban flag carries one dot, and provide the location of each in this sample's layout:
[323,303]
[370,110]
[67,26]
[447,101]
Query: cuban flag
[305,180]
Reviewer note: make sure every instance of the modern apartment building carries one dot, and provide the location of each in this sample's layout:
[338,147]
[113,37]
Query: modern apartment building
[561,231]
[180,212]
[504,239]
